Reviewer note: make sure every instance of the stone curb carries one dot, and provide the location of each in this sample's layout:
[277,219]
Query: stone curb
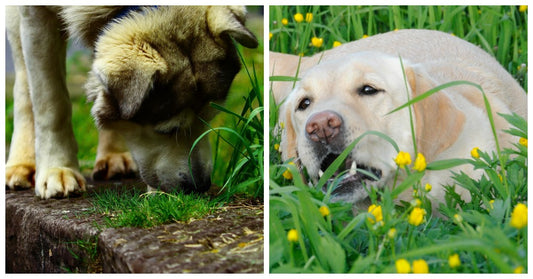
[63,235]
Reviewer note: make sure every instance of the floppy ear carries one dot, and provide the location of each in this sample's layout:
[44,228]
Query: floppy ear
[287,147]
[129,76]
[438,121]
[229,21]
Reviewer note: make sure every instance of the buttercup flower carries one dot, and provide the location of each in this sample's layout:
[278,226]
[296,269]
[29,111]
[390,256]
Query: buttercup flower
[458,218]
[284,21]
[324,210]
[420,162]
[364,36]
[523,141]
[519,269]
[287,173]
[475,152]
[454,260]
[522,8]
[336,43]
[276,146]
[269,36]
[391,233]
[403,266]
[519,216]
[420,266]
[416,217]
[376,211]
[317,42]
[298,17]
[308,17]
[292,235]
[403,159]
[427,187]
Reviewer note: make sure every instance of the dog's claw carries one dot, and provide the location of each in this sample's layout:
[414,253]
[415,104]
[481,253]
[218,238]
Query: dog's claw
[114,166]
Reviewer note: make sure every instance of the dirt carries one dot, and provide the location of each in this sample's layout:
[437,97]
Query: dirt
[65,235]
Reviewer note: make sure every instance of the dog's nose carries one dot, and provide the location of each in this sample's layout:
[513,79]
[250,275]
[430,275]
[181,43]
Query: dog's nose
[323,126]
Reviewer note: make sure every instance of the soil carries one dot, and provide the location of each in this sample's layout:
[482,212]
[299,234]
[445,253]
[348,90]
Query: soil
[65,235]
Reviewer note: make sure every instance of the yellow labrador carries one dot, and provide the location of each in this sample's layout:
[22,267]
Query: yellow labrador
[348,90]
[154,73]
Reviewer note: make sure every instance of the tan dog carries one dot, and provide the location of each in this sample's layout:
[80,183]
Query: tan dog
[154,73]
[349,90]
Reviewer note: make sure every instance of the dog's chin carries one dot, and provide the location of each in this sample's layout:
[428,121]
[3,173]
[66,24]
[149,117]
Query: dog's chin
[350,181]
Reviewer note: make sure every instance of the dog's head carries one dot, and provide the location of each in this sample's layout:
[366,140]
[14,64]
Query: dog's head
[338,100]
[153,77]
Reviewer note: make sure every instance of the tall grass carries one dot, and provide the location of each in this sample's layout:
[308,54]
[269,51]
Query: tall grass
[309,233]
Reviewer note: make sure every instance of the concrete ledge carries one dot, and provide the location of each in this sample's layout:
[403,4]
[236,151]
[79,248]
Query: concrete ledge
[65,236]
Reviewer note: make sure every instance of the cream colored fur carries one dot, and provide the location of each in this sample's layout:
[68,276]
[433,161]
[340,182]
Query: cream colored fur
[447,125]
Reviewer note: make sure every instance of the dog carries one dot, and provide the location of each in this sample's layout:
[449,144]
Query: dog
[155,70]
[343,92]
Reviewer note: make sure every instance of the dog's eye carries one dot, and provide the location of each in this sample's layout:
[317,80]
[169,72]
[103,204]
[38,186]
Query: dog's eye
[306,102]
[368,90]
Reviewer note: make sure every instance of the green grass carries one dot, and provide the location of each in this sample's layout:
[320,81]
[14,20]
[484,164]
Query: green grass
[135,208]
[304,239]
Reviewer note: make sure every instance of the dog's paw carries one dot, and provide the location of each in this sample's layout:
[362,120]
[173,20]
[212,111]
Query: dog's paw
[20,176]
[114,166]
[59,183]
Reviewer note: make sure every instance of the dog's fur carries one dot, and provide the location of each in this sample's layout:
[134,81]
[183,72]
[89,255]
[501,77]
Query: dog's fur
[350,89]
[154,72]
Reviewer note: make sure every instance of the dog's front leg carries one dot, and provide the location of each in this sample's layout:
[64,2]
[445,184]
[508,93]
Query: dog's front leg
[113,160]
[20,166]
[44,48]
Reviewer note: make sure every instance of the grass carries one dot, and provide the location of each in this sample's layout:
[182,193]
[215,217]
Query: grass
[236,137]
[135,208]
[308,233]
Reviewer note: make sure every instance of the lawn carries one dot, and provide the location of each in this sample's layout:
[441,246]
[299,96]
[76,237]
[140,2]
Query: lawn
[308,233]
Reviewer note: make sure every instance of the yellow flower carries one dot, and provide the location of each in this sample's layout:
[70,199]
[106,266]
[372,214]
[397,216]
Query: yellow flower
[376,211]
[284,21]
[420,266]
[403,266]
[287,173]
[403,159]
[427,188]
[298,17]
[292,235]
[324,210]
[475,152]
[391,233]
[336,43]
[416,202]
[416,217]
[269,36]
[519,216]
[458,218]
[309,17]
[523,141]
[282,125]
[454,261]
[522,8]
[276,146]
[519,269]
[420,162]
[317,42]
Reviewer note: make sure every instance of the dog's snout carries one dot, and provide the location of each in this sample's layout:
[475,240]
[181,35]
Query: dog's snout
[323,126]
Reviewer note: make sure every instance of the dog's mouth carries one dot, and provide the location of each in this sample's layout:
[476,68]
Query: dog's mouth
[349,177]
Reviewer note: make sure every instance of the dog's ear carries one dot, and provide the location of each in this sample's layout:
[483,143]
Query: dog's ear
[229,21]
[287,146]
[438,121]
[128,74]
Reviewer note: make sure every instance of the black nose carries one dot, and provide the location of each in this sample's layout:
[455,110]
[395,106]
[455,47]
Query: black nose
[197,183]
[323,126]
